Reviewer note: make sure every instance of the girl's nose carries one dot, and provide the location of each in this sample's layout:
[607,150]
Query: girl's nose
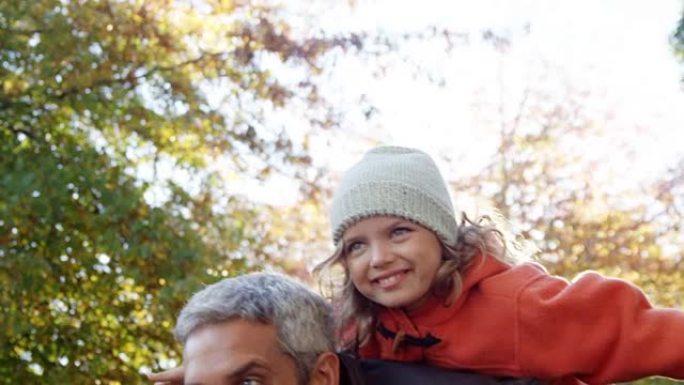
[381,254]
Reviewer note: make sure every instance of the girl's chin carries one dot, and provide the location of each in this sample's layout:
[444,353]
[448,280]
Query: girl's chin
[399,303]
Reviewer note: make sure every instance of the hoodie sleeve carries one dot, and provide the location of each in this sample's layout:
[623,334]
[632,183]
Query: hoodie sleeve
[597,329]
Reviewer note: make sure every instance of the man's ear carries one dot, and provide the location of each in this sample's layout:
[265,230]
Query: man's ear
[326,371]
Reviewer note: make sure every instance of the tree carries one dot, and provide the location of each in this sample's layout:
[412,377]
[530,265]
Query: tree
[556,198]
[678,38]
[94,261]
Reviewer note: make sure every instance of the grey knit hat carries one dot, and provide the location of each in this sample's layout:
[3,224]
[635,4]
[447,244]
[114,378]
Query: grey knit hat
[394,181]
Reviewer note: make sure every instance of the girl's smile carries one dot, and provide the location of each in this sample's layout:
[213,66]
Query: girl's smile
[392,261]
[390,280]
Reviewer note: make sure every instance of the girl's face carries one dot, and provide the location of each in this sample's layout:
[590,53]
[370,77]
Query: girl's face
[392,261]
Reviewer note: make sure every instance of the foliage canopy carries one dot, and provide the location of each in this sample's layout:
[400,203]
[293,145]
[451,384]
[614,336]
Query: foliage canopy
[93,92]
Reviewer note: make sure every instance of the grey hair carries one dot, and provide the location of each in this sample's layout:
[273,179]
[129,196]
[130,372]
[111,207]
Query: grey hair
[302,318]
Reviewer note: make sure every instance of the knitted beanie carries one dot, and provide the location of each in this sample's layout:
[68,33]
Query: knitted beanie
[394,181]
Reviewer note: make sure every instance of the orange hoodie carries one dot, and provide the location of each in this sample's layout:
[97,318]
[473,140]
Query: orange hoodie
[522,322]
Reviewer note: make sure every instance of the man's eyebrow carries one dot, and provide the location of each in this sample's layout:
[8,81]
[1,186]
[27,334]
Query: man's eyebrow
[240,371]
[247,367]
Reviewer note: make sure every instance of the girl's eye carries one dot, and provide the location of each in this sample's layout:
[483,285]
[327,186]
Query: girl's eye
[250,381]
[400,231]
[354,247]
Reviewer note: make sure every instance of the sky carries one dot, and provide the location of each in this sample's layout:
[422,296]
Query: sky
[616,50]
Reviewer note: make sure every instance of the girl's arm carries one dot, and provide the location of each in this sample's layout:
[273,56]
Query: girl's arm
[598,329]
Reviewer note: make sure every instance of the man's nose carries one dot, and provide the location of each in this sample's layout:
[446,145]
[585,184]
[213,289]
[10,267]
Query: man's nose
[381,254]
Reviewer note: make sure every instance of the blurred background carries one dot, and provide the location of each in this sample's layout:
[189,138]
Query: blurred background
[149,147]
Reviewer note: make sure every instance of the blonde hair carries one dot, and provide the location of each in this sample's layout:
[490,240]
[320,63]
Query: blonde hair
[472,238]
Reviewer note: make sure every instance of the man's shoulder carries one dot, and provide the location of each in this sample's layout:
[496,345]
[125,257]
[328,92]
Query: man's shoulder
[380,372]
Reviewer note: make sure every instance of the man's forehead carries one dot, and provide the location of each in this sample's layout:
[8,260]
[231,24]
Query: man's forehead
[216,352]
[231,338]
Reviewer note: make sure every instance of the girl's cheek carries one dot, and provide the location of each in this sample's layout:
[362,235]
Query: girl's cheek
[355,266]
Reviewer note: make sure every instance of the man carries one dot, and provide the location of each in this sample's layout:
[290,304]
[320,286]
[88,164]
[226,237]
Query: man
[267,329]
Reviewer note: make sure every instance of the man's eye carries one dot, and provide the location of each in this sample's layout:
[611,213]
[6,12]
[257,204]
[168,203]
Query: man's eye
[250,381]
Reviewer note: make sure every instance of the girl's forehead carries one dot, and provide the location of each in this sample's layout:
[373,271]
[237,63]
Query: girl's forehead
[374,223]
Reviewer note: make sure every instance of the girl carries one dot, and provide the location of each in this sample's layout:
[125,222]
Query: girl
[420,287]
